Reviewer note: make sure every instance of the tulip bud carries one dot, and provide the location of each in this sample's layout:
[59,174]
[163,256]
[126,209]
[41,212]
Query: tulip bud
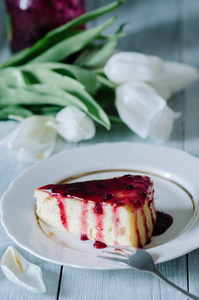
[73,124]
[130,66]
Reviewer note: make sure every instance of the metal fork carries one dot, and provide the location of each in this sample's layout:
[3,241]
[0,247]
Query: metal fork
[140,260]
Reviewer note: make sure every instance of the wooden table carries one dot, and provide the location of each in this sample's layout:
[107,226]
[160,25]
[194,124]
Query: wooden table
[168,29]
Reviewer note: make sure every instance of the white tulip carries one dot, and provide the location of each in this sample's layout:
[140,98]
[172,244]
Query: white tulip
[73,124]
[145,83]
[144,111]
[32,139]
[17,269]
[165,76]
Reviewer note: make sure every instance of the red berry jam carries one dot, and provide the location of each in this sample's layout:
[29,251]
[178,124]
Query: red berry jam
[99,245]
[163,222]
[118,191]
[84,237]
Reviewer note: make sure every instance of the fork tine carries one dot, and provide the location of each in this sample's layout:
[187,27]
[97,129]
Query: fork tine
[123,261]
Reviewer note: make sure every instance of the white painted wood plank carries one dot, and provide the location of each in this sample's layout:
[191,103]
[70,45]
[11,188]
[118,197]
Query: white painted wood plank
[191,56]
[193,271]
[122,284]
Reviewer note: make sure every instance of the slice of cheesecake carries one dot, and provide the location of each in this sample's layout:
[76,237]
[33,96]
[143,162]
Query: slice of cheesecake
[116,211]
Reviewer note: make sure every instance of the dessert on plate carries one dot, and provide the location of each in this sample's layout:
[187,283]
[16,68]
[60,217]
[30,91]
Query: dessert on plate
[115,211]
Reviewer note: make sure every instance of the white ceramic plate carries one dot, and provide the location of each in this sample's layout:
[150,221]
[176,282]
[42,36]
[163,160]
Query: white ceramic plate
[174,172]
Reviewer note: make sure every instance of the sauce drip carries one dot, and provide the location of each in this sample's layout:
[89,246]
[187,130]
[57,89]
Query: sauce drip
[84,237]
[99,245]
[62,210]
[163,222]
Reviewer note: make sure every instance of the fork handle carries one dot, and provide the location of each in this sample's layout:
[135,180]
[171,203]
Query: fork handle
[157,273]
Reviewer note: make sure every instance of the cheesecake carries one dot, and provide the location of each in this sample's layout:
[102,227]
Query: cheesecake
[115,211]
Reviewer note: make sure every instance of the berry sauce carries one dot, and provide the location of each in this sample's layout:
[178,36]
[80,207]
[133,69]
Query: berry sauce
[163,222]
[116,191]
[84,237]
[99,245]
[62,210]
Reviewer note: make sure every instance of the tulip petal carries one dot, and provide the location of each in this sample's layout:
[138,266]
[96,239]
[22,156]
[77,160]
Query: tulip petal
[174,78]
[162,125]
[17,269]
[33,139]
[131,66]
[73,124]
[138,104]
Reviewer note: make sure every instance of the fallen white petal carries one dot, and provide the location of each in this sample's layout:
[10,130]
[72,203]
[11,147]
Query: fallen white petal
[174,78]
[139,105]
[17,269]
[33,139]
[129,66]
[73,124]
